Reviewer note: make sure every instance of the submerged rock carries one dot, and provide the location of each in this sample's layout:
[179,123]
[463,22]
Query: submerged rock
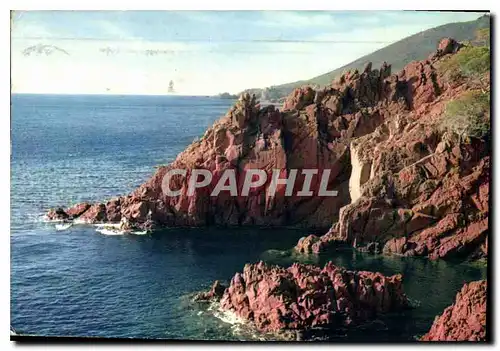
[465,320]
[301,297]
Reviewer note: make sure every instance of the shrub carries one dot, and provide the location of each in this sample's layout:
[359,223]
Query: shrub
[470,62]
[469,115]
[483,36]
[474,61]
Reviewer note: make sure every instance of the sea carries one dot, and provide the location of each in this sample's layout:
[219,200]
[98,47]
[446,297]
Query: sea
[81,283]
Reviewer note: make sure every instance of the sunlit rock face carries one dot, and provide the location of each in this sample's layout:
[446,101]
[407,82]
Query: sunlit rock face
[403,185]
[415,189]
[276,299]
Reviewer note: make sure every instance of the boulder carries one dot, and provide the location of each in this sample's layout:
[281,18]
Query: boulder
[56,214]
[78,209]
[447,46]
[215,293]
[95,214]
[299,98]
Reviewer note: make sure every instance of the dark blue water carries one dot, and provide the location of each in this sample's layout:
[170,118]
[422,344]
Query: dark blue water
[68,149]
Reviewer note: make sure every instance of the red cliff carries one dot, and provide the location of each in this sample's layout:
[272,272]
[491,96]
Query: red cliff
[404,185]
[416,189]
[465,320]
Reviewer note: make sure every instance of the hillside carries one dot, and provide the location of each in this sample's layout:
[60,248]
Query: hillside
[415,47]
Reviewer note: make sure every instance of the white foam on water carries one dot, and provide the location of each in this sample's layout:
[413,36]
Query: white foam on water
[79,221]
[106,231]
[110,225]
[239,327]
[114,229]
[46,220]
[225,316]
[139,232]
[60,227]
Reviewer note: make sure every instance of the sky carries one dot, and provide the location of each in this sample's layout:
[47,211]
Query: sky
[202,52]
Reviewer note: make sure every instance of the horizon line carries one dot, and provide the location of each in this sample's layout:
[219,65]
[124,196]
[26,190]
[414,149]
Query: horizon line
[123,94]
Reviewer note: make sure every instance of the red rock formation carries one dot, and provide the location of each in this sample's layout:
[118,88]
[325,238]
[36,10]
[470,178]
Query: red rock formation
[446,46]
[465,320]
[416,190]
[56,214]
[404,185]
[77,210]
[95,214]
[313,132]
[215,293]
[300,297]
[299,99]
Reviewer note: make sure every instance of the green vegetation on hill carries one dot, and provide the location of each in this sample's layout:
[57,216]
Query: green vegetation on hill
[416,47]
[471,62]
[469,114]
[226,95]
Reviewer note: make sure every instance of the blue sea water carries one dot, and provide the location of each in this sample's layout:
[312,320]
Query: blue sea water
[68,149]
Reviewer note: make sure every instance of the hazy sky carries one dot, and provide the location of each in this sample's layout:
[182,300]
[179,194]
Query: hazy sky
[204,53]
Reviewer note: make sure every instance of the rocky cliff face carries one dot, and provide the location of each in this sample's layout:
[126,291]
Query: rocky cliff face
[465,320]
[415,189]
[313,131]
[276,299]
[403,185]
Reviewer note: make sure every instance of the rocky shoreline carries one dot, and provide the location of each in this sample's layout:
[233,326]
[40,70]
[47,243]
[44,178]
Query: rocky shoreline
[303,301]
[405,186]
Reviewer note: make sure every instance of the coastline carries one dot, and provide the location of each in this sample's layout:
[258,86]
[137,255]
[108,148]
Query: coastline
[394,137]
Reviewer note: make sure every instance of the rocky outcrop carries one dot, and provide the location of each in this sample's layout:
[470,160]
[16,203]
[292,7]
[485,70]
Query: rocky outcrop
[313,131]
[215,293]
[301,297]
[56,214]
[77,210]
[415,190]
[465,320]
[404,186]
[416,212]
[437,206]
[445,46]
